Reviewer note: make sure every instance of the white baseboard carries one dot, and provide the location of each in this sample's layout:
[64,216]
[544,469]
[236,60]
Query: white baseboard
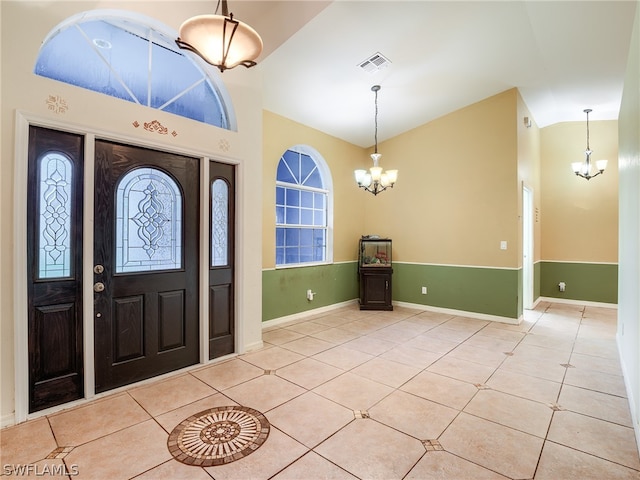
[461,313]
[630,396]
[307,313]
[578,302]
[7,420]
[253,346]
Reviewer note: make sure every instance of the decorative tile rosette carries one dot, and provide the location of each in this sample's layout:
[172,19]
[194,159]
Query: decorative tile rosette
[218,436]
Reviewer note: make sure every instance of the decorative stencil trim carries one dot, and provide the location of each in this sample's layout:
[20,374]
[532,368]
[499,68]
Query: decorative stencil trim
[57,104]
[224,145]
[218,436]
[155,126]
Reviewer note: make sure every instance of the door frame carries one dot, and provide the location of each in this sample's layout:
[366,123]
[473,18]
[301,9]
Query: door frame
[528,239]
[23,120]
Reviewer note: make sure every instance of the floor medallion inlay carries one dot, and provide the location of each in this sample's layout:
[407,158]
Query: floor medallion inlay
[218,436]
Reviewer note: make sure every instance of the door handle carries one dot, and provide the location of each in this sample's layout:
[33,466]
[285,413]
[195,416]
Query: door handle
[98,287]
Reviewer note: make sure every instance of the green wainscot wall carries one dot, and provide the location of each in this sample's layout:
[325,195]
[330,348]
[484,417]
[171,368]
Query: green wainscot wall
[592,282]
[490,291]
[284,290]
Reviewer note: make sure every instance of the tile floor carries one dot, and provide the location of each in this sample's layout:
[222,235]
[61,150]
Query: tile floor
[374,395]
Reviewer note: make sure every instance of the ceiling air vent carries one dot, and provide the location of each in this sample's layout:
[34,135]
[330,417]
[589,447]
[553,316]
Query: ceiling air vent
[375,62]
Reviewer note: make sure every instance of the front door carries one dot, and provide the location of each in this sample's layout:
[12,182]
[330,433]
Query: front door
[146,263]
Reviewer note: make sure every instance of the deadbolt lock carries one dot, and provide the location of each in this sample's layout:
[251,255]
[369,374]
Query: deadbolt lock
[98,287]
[98,269]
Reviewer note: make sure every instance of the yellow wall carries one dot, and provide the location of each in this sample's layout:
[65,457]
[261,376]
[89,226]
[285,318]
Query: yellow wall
[280,134]
[456,196]
[529,173]
[579,217]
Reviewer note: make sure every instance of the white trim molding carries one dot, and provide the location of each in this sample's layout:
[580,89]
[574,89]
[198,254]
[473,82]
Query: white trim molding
[461,313]
[578,302]
[274,322]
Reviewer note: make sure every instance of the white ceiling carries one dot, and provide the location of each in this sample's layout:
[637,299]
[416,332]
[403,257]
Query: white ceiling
[562,56]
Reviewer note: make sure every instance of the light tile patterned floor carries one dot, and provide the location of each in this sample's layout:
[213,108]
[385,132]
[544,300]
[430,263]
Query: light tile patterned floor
[374,395]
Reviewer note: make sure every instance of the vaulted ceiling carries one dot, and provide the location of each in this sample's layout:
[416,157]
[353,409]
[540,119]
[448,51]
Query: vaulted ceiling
[562,56]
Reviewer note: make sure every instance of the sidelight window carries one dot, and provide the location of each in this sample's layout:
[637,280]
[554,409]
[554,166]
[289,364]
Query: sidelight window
[54,245]
[219,223]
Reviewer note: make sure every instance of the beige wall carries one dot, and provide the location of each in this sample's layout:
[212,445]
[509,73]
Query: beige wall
[528,173]
[629,269]
[342,158]
[579,217]
[456,196]
[28,93]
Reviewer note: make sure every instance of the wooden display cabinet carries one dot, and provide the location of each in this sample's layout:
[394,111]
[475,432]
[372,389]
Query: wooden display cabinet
[375,271]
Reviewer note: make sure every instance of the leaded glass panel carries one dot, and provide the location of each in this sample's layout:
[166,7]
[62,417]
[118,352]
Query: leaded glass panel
[54,244]
[148,222]
[219,223]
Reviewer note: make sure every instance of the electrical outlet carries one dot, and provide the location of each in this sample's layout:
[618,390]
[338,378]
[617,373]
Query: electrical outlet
[424,290]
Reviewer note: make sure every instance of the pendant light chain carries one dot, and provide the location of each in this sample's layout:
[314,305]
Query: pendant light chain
[376,117]
[587,112]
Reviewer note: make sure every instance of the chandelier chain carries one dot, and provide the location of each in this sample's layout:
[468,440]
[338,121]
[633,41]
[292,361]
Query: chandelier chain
[375,135]
[587,112]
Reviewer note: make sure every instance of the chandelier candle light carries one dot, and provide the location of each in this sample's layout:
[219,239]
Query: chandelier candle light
[220,40]
[375,180]
[583,169]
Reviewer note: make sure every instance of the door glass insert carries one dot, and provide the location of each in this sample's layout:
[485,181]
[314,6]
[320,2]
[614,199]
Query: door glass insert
[54,245]
[148,222]
[219,223]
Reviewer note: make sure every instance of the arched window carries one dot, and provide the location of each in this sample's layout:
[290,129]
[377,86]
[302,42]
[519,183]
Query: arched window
[132,57]
[148,222]
[304,214]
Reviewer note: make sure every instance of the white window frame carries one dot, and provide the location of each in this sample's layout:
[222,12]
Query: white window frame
[327,180]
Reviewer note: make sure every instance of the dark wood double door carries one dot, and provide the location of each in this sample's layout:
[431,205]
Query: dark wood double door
[145,271]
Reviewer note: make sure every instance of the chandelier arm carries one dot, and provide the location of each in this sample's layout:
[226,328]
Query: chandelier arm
[234,26]
[225,8]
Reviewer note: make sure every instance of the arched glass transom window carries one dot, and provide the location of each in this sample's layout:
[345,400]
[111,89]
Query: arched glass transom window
[303,208]
[148,222]
[54,245]
[134,58]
